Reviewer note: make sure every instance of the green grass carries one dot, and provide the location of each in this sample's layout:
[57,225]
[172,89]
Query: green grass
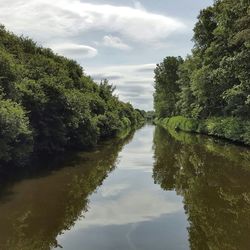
[230,128]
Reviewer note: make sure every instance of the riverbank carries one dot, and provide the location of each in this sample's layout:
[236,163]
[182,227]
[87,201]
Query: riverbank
[233,129]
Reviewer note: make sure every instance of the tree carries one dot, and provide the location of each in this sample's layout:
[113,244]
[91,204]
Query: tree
[166,86]
[52,102]
[16,136]
[214,80]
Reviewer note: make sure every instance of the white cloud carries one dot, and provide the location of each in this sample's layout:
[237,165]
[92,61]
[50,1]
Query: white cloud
[138,5]
[134,83]
[64,24]
[76,51]
[132,74]
[123,211]
[112,190]
[115,42]
[46,19]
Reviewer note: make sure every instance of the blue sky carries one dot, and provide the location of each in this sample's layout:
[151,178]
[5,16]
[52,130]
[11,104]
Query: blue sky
[118,40]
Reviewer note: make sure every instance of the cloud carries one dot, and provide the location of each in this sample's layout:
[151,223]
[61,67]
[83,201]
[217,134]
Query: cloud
[70,27]
[120,212]
[115,42]
[136,90]
[76,51]
[138,5]
[134,83]
[138,82]
[99,77]
[146,68]
[113,190]
[46,19]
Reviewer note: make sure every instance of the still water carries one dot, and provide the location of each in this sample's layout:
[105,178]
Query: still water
[153,190]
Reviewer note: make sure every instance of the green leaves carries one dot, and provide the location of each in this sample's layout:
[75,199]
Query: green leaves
[15,133]
[166,86]
[214,80]
[63,107]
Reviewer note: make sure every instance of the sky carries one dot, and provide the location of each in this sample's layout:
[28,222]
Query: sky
[120,40]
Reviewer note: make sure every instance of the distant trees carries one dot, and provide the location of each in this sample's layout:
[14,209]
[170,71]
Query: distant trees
[214,80]
[150,115]
[48,104]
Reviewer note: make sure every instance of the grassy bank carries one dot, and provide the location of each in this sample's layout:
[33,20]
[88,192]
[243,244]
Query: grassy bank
[234,129]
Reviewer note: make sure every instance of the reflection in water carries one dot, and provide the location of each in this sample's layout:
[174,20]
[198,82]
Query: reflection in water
[34,211]
[213,178]
[129,211]
[76,207]
[83,204]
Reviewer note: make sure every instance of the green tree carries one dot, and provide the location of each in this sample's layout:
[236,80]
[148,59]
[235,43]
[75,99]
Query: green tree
[214,80]
[64,107]
[16,139]
[166,86]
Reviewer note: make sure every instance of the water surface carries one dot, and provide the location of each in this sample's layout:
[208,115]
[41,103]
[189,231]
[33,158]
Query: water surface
[151,190]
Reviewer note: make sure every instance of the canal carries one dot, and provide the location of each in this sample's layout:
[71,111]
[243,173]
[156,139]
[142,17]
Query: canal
[152,190]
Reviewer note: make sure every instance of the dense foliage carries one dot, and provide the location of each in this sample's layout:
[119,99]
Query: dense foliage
[47,103]
[230,128]
[214,80]
[166,89]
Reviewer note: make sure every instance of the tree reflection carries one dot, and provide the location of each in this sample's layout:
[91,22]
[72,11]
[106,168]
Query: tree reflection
[34,212]
[213,178]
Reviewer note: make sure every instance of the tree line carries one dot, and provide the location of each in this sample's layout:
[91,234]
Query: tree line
[214,80]
[48,104]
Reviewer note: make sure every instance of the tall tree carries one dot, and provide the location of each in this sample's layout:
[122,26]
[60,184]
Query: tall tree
[166,86]
[214,80]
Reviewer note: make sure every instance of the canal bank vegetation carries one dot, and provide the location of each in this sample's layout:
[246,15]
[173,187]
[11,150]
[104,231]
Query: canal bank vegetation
[209,91]
[48,104]
[230,128]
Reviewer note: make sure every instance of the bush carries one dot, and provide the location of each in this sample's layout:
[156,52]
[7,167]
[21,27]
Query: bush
[126,123]
[16,142]
[230,128]
[246,135]
[181,123]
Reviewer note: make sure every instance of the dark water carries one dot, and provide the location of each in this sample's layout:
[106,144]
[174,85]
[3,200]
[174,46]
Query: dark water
[153,190]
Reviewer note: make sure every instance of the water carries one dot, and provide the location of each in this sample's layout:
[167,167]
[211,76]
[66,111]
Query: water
[152,190]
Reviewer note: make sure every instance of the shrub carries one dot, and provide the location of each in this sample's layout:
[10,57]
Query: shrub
[181,123]
[231,128]
[246,135]
[16,142]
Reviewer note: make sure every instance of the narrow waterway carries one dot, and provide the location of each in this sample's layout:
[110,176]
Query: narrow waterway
[153,190]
